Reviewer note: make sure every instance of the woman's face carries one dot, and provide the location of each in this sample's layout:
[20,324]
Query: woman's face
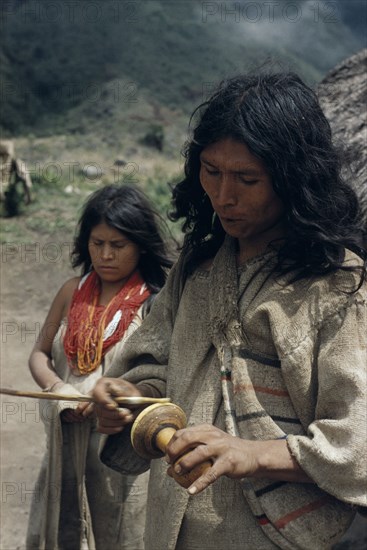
[241,192]
[114,257]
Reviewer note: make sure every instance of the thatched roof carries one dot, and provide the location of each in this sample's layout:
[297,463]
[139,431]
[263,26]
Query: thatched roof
[343,96]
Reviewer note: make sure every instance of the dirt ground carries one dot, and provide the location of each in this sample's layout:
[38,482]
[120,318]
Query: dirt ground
[30,277]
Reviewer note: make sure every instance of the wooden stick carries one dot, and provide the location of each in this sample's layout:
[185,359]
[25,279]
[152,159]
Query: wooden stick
[134,400]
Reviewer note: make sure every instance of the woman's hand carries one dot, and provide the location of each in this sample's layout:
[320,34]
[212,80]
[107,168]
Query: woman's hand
[71,415]
[111,418]
[85,409]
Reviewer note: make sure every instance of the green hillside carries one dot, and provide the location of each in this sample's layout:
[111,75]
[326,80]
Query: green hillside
[95,83]
[73,66]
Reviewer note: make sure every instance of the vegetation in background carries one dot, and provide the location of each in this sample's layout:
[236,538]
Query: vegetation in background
[111,84]
[109,56]
[154,137]
[57,202]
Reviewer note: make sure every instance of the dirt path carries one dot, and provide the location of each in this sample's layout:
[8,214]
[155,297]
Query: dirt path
[31,275]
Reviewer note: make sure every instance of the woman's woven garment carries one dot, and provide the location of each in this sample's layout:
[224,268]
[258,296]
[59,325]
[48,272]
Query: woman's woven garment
[79,503]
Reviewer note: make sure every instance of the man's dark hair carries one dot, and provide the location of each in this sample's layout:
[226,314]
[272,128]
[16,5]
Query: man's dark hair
[280,120]
[128,210]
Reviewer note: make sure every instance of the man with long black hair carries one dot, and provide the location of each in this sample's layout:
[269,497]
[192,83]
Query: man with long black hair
[259,333]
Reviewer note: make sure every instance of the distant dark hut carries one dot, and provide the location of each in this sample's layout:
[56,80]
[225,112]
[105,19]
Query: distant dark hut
[343,96]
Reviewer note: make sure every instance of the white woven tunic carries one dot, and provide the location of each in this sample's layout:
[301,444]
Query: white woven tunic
[78,502]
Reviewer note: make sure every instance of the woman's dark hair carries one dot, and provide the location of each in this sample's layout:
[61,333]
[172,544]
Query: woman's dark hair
[128,210]
[280,120]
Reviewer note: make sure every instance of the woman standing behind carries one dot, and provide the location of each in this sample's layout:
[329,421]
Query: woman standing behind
[79,502]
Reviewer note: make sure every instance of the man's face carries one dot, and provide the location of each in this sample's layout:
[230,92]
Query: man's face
[240,190]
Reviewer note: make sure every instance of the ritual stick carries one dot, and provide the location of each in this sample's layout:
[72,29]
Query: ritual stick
[128,401]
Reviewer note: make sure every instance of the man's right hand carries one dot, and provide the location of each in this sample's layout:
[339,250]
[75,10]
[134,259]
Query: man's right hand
[111,418]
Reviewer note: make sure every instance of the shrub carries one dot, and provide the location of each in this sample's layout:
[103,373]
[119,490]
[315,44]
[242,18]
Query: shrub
[154,137]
